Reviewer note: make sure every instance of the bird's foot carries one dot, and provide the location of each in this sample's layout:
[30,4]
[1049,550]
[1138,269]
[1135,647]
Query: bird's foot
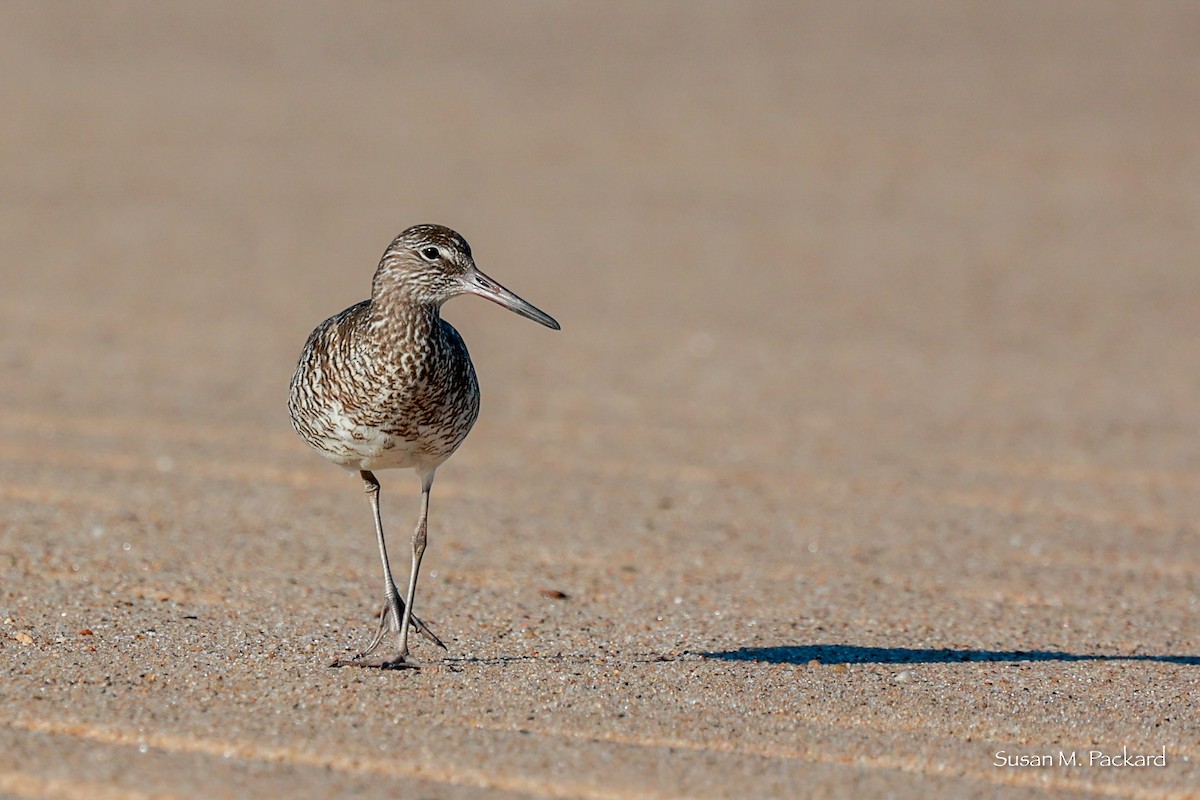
[390,619]
[389,622]
[423,629]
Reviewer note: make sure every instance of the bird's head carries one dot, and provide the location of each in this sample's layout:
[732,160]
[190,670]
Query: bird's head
[429,264]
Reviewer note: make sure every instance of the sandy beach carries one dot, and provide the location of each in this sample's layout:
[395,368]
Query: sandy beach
[866,462]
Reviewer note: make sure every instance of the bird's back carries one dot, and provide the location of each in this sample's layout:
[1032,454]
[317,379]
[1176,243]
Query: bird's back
[382,391]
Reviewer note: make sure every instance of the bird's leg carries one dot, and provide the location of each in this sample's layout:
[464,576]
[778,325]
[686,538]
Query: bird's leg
[393,607]
[418,550]
[392,610]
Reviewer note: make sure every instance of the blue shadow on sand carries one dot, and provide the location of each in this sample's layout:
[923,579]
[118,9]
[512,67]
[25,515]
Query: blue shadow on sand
[853,654]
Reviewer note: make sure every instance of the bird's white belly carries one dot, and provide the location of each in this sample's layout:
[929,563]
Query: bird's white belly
[353,444]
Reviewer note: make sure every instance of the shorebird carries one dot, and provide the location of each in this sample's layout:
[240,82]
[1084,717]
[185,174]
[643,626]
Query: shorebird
[388,384]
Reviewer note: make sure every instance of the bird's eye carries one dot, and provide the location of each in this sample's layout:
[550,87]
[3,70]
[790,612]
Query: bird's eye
[430,253]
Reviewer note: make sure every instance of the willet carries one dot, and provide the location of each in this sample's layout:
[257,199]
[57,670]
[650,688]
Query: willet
[388,384]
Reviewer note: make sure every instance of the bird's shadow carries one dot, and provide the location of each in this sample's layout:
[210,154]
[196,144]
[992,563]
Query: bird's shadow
[854,654]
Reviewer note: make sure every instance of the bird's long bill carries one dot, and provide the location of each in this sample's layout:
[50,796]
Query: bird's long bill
[480,284]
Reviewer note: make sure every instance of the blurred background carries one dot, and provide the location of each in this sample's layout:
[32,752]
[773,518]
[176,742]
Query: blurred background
[880,329]
[740,212]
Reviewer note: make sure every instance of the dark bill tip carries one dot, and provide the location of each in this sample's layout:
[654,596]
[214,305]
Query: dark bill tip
[482,285]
